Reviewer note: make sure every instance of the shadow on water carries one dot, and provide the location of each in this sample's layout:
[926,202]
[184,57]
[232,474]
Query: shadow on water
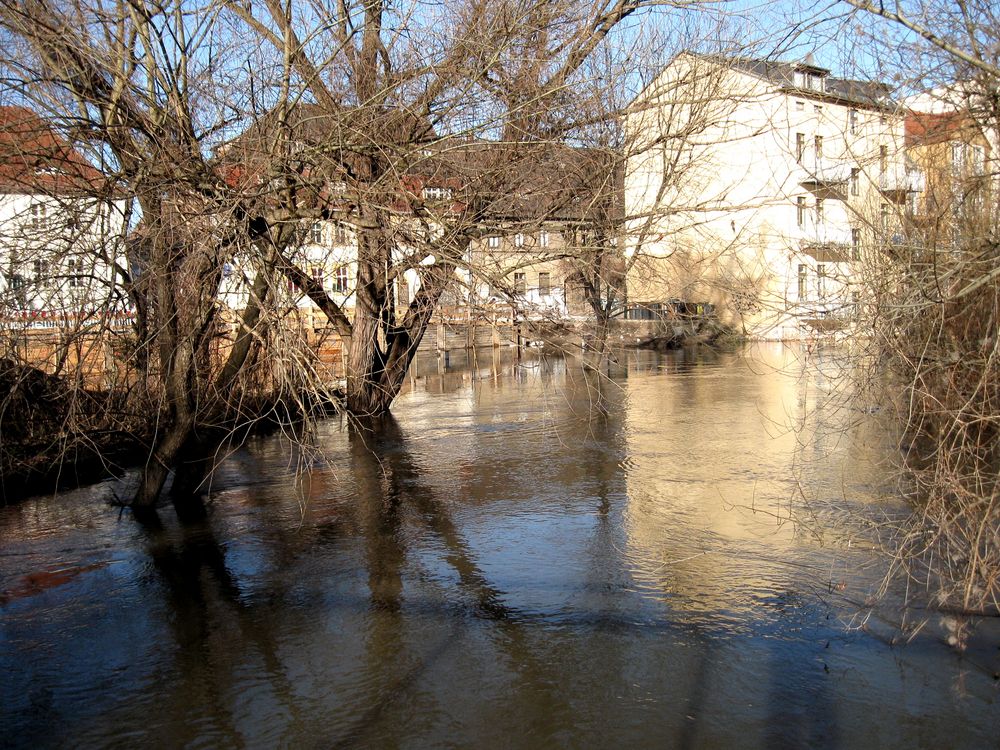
[205,604]
[390,484]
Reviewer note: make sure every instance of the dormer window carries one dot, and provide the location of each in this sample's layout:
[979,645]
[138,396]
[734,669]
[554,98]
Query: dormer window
[813,80]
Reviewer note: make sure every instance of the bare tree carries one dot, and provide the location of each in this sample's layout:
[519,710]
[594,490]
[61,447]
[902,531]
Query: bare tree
[934,295]
[231,129]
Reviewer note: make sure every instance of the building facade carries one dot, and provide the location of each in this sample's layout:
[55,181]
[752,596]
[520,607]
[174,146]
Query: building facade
[61,227]
[757,187]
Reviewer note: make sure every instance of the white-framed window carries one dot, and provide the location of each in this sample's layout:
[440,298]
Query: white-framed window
[316,233]
[800,147]
[855,181]
[543,239]
[38,216]
[519,240]
[978,159]
[340,234]
[436,193]
[800,106]
[883,159]
[855,243]
[340,280]
[520,282]
[803,281]
[817,109]
[74,270]
[493,241]
[818,145]
[800,211]
[317,274]
[852,121]
[544,284]
[821,280]
[819,210]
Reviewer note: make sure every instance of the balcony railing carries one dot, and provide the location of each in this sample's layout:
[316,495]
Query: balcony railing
[901,179]
[827,243]
[825,172]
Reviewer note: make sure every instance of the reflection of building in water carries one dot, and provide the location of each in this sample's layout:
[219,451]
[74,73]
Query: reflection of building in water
[720,456]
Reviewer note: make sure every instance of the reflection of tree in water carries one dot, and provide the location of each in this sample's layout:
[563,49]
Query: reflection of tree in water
[391,489]
[205,610]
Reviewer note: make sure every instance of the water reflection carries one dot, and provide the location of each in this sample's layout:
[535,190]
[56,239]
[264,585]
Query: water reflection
[532,553]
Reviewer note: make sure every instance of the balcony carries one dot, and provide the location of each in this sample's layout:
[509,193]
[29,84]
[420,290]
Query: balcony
[827,243]
[828,173]
[826,315]
[899,179]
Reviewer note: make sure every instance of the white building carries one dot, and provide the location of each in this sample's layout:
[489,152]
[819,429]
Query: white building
[758,186]
[61,231]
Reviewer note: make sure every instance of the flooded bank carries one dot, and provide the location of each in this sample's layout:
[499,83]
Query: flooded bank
[527,555]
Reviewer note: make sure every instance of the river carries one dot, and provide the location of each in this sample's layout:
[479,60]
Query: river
[675,554]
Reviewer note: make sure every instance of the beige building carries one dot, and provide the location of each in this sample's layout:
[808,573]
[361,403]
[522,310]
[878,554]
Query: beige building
[954,154]
[758,186]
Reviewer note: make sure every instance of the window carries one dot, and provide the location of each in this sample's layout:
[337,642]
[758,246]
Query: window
[818,145]
[543,239]
[38,216]
[317,275]
[436,193]
[800,106]
[883,119]
[821,280]
[852,121]
[957,156]
[16,281]
[340,234]
[819,210]
[855,181]
[800,211]
[855,244]
[800,146]
[74,269]
[544,288]
[817,109]
[340,280]
[817,82]
[978,160]
[493,242]
[316,233]
[883,217]
[39,269]
[803,281]
[883,159]
[520,286]
[518,240]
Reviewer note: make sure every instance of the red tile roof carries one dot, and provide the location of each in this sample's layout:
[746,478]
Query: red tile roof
[35,159]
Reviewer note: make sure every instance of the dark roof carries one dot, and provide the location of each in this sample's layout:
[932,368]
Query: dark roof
[35,159]
[490,179]
[871,94]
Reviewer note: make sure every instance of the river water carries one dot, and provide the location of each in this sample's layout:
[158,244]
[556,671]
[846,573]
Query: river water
[527,556]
